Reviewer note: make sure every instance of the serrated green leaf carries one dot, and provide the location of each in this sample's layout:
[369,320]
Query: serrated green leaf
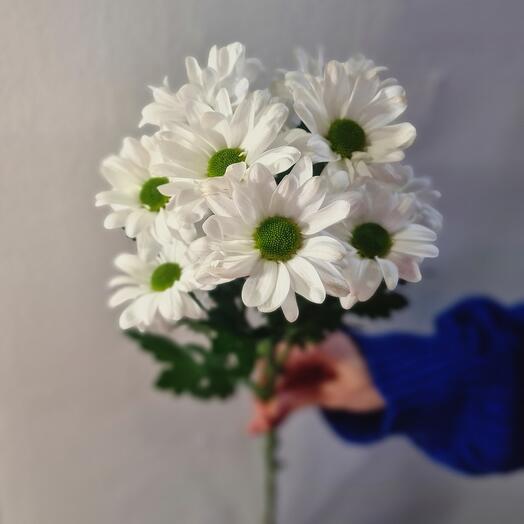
[194,370]
[162,348]
[381,305]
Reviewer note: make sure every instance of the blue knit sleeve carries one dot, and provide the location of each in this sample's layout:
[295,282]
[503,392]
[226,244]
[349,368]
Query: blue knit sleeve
[457,394]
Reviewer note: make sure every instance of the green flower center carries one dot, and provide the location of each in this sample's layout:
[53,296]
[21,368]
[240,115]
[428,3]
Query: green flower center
[165,275]
[371,240]
[346,137]
[277,238]
[151,197]
[222,159]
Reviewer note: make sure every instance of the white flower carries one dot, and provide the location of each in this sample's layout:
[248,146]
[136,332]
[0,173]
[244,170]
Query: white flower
[352,109]
[274,235]
[156,280]
[197,156]
[136,204]
[382,241]
[227,69]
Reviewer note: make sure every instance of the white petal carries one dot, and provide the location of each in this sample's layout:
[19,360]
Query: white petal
[116,198]
[389,271]
[168,303]
[305,280]
[265,131]
[235,267]
[310,191]
[279,159]
[116,219]
[235,229]
[290,307]
[327,216]
[213,228]
[392,137]
[223,103]
[348,301]
[194,72]
[416,232]
[407,267]
[128,319]
[191,309]
[122,172]
[135,151]
[309,120]
[145,307]
[260,285]
[124,294]
[417,249]
[122,280]
[333,281]
[246,208]
[323,248]
[364,277]
[303,169]
[138,221]
[130,264]
[280,292]
[282,200]
[221,205]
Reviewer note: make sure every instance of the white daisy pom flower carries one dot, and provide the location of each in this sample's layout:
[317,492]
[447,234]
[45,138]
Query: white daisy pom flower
[227,69]
[382,240]
[353,110]
[199,159]
[135,202]
[156,282]
[275,236]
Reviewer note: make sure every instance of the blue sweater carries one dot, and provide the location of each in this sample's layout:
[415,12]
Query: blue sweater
[457,394]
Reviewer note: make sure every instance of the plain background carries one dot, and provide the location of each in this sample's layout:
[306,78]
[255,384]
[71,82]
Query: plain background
[83,436]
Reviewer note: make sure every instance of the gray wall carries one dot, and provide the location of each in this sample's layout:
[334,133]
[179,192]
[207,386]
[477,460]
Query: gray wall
[83,437]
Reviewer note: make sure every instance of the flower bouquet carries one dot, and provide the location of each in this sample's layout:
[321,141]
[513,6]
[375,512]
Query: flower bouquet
[262,217]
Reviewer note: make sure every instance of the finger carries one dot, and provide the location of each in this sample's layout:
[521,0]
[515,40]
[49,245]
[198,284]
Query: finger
[259,422]
[272,413]
[287,403]
[306,373]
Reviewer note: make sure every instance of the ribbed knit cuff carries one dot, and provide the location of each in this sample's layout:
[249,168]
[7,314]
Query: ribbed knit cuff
[413,373]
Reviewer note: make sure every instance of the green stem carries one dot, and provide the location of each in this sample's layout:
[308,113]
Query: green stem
[271,466]
[273,368]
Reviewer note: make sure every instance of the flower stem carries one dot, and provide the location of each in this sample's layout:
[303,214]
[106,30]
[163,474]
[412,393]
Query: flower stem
[271,472]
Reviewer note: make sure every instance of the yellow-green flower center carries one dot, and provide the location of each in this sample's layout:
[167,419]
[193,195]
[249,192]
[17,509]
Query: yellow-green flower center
[278,238]
[371,240]
[346,137]
[222,159]
[165,275]
[151,197]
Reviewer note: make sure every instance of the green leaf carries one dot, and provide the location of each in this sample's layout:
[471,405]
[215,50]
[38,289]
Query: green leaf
[197,371]
[161,348]
[237,354]
[381,305]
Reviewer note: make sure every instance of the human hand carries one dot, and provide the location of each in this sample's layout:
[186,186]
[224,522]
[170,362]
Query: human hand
[331,375]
